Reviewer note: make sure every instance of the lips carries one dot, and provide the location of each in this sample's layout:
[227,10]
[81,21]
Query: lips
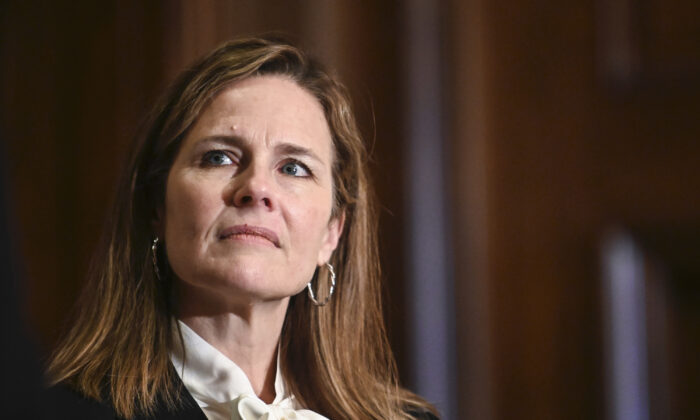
[252,231]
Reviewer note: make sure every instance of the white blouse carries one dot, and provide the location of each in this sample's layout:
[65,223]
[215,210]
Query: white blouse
[223,390]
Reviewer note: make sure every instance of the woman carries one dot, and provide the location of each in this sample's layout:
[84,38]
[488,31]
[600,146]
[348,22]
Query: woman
[248,188]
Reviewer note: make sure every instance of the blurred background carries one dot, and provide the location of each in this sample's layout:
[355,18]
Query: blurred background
[537,164]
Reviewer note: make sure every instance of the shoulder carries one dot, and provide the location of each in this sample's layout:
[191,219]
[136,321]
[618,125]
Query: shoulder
[63,402]
[426,416]
[421,414]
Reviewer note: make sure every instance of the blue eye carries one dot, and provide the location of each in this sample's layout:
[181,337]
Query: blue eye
[295,169]
[216,158]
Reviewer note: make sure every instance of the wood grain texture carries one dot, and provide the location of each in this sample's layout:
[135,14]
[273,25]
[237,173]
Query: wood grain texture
[562,155]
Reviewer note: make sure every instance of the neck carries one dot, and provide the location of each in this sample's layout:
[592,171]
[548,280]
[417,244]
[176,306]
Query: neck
[246,334]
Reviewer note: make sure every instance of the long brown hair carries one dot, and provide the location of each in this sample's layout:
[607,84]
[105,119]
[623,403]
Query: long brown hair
[335,360]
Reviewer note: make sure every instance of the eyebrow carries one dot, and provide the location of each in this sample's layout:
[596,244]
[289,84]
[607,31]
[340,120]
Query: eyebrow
[282,148]
[296,150]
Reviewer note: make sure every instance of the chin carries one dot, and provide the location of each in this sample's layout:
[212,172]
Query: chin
[250,283]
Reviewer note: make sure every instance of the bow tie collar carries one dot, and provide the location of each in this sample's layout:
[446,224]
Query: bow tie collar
[247,407]
[221,388]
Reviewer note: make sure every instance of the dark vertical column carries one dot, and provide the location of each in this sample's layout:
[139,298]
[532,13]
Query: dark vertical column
[467,98]
[20,380]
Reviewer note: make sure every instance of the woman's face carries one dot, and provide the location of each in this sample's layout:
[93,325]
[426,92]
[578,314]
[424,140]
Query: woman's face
[248,199]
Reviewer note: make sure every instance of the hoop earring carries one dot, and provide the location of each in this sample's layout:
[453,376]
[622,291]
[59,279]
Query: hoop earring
[154,255]
[312,296]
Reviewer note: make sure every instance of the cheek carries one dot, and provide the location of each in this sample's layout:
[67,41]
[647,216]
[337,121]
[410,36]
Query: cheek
[190,207]
[309,221]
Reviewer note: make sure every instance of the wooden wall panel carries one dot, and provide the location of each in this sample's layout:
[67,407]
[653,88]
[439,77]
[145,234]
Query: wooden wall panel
[561,155]
[651,41]
[80,80]
[467,106]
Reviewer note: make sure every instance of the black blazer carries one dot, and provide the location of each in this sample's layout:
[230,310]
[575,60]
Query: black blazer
[64,403]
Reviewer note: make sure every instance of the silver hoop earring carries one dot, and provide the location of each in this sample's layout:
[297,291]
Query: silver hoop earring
[312,296]
[154,255]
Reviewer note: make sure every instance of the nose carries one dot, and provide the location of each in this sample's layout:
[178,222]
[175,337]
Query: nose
[253,188]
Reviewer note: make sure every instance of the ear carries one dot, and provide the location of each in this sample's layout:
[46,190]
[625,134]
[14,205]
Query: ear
[331,238]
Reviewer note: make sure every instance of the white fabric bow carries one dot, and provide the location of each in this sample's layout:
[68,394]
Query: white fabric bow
[246,407]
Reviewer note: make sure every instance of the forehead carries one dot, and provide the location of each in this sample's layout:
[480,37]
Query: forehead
[269,108]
